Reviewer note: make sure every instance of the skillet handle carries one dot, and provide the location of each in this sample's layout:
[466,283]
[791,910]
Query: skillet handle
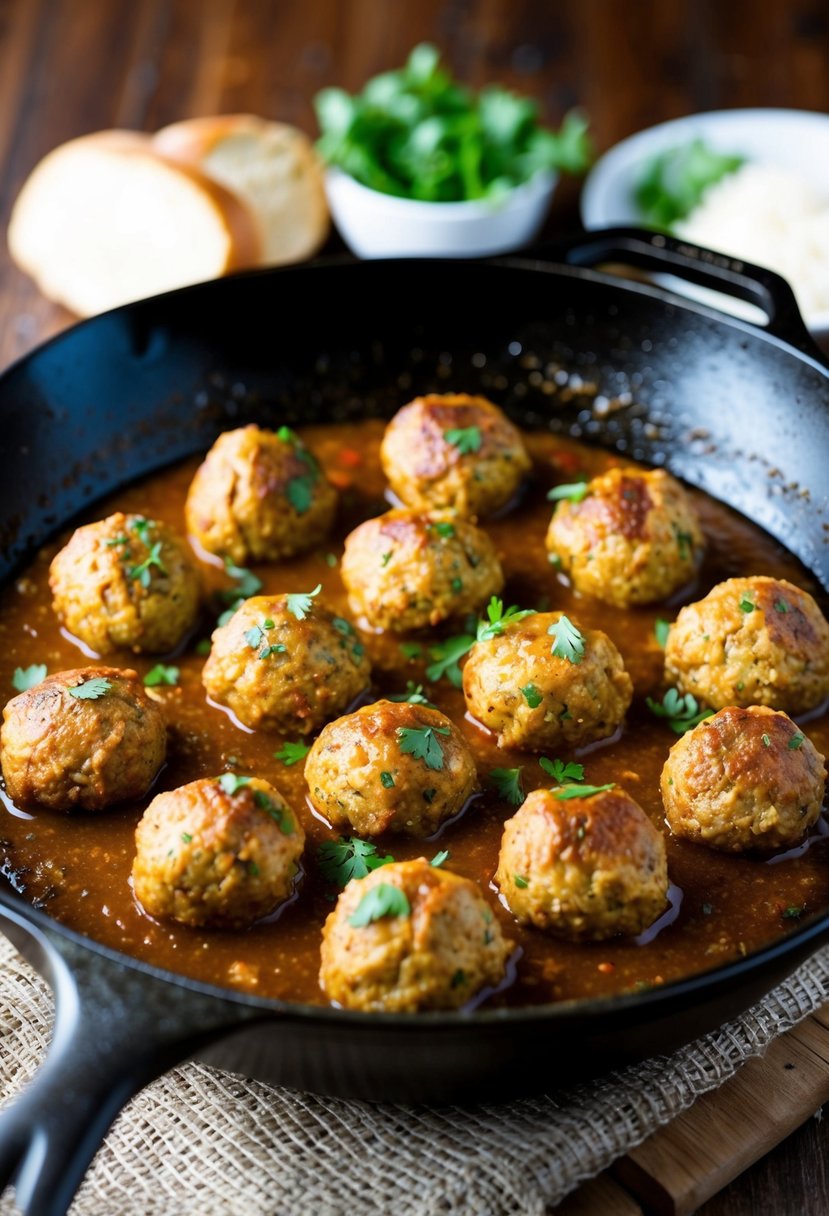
[658,252]
[116,1029]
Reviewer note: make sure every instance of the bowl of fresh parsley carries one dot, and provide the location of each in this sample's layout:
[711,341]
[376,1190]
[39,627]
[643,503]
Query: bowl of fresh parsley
[418,165]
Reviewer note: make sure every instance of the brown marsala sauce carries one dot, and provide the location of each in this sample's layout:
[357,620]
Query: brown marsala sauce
[78,866]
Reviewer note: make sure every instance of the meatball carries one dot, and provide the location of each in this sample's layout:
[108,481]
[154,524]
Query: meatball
[259,496]
[390,767]
[82,740]
[411,569]
[743,779]
[751,641]
[632,539]
[453,451]
[583,868]
[286,664]
[409,937]
[543,683]
[220,852]
[126,581]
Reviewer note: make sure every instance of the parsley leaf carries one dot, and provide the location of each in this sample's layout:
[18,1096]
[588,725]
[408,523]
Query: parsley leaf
[439,858]
[292,753]
[497,619]
[411,650]
[507,784]
[795,742]
[25,678]
[90,690]
[161,675]
[569,642]
[563,773]
[520,882]
[300,492]
[574,491]
[143,571]
[443,529]
[231,783]
[467,439]
[347,858]
[747,604]
[660,630]
[793,913]
[414,695]
[387,780]
[682,712]
[381,901]
[278,813]
[574,790]
[423,744]
[532,695]
[299,604]
[447,655]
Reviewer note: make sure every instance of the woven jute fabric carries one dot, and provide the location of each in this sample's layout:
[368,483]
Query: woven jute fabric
[199,1142]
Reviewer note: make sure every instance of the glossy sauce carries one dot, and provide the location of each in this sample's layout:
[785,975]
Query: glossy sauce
[722,906]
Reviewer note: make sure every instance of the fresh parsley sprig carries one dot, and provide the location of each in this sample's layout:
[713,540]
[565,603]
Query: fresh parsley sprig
[25,678]
[90,690]
[381,901]
[446,655]
[414,694]
[577,790]
[467,439]
[423,743]
[507,784]
[292,753]
[347,858]
[569,642]
[682,713]
[573,491]
[562,772]
[162,674]
[299,604]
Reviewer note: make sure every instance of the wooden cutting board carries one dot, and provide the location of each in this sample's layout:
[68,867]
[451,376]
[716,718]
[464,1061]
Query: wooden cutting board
[683,1164]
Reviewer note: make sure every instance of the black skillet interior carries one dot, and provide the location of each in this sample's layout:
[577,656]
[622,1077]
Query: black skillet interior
[740,412]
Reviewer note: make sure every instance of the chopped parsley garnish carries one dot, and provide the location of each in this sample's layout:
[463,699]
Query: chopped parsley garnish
[423,744]
[746,604]
[143,571]
[562,772]
[343,626]
[457,586]
[575,790]
[123,539]
[498,619]
[766,740]
[660,630]
[387,780]
[161,674]
[186,837]
[439,858]
[684,541]
[386,558]
[25,678]
[414,695]
[90,690]
[411,650]
[507,784]
[381,901]
[681,712]
[442,528]
[467,439]
[299,604]
[793,913]
[300,489]
[446,656]
[256,637]
[572,492]
[520,882]
[347,858]
[795,742]
[569,642]
[532,696]
[278,813]
[231,783]
[292,753]
[781,606]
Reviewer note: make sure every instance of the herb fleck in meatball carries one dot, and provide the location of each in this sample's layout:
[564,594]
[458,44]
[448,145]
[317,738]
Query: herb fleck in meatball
[82,740]
[585,868]
[743,779]
[126,582]
[259,496]
[454,451]
[220,852]
[633,538]
[545,684]
[411,569]
[410,937]
[390,767]
[284,663]
[751,641]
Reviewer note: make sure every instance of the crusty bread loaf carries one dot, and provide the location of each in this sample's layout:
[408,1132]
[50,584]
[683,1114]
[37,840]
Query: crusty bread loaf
[273,167]
[107,218]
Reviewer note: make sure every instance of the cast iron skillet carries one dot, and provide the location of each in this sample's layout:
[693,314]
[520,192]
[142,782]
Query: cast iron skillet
[739,411]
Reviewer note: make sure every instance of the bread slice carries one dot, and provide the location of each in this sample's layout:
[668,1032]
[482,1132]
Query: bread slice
[106,218]
[270,165]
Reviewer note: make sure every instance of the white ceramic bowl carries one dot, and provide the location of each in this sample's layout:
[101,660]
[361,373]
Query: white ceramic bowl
[376,225]
[795,140]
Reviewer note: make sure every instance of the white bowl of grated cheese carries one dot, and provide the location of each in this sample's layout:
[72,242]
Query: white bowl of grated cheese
[773,210]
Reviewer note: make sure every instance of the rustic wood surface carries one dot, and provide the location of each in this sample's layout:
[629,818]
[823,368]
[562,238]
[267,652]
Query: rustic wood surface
[72,66]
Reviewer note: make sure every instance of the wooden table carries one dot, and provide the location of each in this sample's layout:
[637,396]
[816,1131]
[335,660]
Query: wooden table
[71,66]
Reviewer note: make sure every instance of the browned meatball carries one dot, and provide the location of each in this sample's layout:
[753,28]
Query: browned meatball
[220,852]
[751,641]
[536,690]
[632,539]
[390,767]
[259,496]
[430,942]
[284,663]
[583,868]
[410,569]
[126,581]
[82,740]
[454,451]
[743,779]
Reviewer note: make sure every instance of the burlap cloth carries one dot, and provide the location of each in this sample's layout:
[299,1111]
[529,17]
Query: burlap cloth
[200,1142]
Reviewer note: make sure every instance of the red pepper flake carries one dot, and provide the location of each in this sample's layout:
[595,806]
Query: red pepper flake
[607,968]
[342,481]
[350,458]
